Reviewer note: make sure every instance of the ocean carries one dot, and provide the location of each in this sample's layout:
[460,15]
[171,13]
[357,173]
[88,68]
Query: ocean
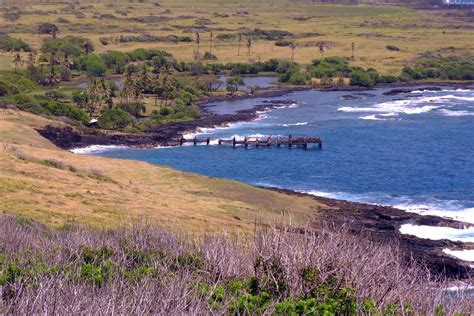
[412,150]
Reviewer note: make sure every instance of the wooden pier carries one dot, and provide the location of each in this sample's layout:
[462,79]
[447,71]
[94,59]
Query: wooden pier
[278,141]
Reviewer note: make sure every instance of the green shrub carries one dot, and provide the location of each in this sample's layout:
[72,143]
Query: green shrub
[298,78]
[116,61]
[233,84]
[330,67]
[92,64]
[135,109]
[387,79]
[410,73]
[114,118]
[360,78]
[9,44]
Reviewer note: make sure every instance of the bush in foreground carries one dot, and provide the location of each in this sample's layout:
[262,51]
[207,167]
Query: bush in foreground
[144,270]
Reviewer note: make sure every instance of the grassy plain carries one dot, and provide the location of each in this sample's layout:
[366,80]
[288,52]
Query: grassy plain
[57,187]
[371,28]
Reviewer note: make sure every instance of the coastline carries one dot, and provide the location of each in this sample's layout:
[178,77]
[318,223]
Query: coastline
[382,224]
[169,134]
[379,223]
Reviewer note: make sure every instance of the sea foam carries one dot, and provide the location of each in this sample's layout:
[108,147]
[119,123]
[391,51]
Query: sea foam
[439,233]
[95,149]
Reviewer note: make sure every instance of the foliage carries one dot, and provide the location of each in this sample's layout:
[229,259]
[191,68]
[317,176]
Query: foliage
[142,54]
[48,28]
[361,78]
[9,44]
[92,64]
[330,67]
[233,84]
[324,275]
[69,45]
[135,109]
[114,118]
[116,60]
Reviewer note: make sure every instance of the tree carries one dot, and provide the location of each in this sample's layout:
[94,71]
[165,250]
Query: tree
[249,45]
[65,68]
[48,28]
[233,84]
[87,46]
[197,55]
[293,47]
[32,71]
[240,44]
[321,48]
[212,38]
[92,64]
[17,61]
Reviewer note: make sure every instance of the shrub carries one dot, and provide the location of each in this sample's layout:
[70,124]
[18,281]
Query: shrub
[410,73]
[70,45]
[48,28]
[114,118]
[92,64]
[116,61]
[299,78]
[209,56]
[330,67]
[135,109]
[387,79]
[360,78]
[11,16]
[9,44]
[142,54]
[233,84]
[392,48]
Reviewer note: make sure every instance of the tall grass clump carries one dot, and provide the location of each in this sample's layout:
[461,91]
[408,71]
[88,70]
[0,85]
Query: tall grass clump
[144,269]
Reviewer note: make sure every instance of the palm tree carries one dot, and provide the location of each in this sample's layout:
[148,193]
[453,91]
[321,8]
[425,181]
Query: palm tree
[212,38]
[240,44]
[17,61]
[198,42]
[249,45]
[293,47]
[321,49]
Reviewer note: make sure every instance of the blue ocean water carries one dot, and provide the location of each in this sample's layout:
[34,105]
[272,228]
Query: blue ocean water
[412,150]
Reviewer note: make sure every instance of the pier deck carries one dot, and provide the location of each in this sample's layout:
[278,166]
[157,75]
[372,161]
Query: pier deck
[260,141]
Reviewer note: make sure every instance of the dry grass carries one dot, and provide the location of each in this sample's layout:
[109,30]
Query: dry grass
[56,187]
[148,270]
[414,32]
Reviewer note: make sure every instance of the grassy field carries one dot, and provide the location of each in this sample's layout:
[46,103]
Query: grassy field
[56,187]
[371,28]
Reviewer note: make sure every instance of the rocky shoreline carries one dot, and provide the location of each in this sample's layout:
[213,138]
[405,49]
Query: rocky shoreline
[382,224]
[379,223]
[169,134]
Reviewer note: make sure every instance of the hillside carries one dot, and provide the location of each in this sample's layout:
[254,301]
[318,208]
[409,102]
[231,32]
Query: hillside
[56,187]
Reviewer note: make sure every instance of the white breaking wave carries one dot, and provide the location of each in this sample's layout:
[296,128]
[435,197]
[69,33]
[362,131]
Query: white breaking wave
[408,106]
[296,124]
[439,233]
[447,112]
[94,149]
[466,255]
[446,209]
[372,118]
[451,212]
